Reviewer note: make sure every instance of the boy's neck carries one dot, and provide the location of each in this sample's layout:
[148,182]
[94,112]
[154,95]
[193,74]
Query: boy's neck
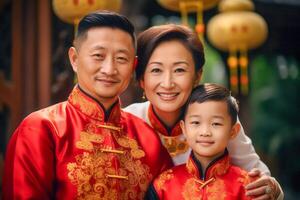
[205,161]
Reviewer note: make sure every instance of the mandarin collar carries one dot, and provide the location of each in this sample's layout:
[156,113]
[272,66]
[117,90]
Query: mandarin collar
[159,126]
[94,109]
[217,167]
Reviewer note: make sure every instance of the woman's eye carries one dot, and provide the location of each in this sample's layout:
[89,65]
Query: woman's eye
[155,70]
[179,70]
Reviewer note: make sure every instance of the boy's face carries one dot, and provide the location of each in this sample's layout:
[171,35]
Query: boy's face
[104,63]
[208,128]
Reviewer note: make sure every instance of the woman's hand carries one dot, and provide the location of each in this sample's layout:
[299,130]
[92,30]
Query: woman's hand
[263,188]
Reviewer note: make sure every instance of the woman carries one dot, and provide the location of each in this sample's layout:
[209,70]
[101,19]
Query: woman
[170,64]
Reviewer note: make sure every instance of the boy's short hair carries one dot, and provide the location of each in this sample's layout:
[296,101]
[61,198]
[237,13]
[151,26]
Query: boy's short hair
[103,19]
[214,92]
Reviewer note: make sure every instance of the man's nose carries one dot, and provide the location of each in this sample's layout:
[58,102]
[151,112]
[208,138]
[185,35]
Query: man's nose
[108,66]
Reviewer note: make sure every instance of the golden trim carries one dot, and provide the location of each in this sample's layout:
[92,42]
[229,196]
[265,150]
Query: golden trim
[115,128]
[203,184]
[116,176]
[174,144]
[112,151]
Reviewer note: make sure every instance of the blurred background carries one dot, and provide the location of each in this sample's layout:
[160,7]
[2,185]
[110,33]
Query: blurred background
[255,52]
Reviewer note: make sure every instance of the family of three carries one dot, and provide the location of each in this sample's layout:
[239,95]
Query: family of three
[174,146]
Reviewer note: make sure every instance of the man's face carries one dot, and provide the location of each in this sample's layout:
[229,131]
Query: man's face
[103,62]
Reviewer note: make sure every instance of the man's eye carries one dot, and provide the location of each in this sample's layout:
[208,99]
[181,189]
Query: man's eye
[97,56]
[122,59]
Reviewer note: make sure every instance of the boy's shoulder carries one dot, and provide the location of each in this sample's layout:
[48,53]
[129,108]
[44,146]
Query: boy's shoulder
[241,175]
[171,175]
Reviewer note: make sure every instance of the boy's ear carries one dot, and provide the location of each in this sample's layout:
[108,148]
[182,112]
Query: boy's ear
[235,130]
[182,126]
[73,58]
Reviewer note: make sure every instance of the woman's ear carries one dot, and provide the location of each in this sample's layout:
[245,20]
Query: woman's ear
[198,77]
[142,84]
[235,130]
[73,57]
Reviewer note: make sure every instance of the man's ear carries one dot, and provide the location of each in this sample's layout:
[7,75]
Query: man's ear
[198,77]
[235,130]
[73,57]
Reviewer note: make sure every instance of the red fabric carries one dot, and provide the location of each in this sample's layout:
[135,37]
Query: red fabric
[64,152]
[221,181]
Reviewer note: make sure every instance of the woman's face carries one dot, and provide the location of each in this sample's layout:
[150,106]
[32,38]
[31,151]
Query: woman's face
[169,77]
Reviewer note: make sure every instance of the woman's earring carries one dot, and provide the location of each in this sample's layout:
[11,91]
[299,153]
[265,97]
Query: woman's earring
[144,96]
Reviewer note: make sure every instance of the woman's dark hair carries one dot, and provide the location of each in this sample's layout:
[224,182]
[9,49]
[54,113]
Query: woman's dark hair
[213,92]
[152,37]
[104,19]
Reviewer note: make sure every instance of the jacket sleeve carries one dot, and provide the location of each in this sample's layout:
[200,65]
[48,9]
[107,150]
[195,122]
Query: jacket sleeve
[243,154]
[29,163]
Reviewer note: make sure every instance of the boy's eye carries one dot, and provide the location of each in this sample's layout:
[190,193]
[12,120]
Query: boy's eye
[217,124]
[195,122]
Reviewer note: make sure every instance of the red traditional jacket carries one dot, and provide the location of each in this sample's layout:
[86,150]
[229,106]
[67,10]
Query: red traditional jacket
[221,181]
[74,150]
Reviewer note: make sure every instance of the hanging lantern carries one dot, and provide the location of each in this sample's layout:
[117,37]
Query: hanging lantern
[71,11]
[190,6]
[236,30]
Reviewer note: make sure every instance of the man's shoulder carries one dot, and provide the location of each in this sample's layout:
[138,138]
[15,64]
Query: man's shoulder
[50,113]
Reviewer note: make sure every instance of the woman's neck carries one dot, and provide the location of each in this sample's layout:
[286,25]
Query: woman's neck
[168,118]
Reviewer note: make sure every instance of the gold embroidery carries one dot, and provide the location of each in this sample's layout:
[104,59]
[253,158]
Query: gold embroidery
[244,178]
[174,144]
[86,140]
[191,191]
[216,191]
[96,174]
[167,175]
[84,105]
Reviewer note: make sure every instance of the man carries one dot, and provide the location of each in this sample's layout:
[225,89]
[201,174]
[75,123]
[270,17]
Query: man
[87,147]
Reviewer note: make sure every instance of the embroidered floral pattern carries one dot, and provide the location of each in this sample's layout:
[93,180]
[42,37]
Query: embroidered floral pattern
[89,171]
[167,175]
[109,164]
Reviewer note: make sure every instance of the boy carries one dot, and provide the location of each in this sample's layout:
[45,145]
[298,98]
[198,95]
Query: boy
[209,123]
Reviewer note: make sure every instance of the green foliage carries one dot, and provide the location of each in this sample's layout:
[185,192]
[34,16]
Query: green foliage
[275,97]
